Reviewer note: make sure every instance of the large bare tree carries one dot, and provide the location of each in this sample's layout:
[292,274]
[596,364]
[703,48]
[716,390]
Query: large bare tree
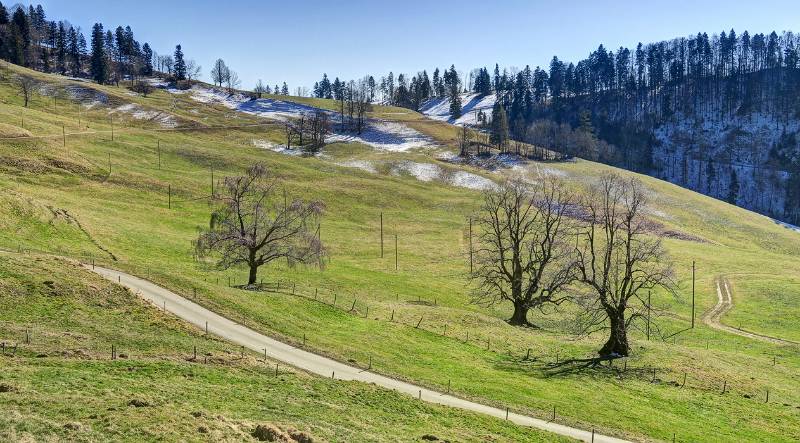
[256,224]
[619,260]
[524,252]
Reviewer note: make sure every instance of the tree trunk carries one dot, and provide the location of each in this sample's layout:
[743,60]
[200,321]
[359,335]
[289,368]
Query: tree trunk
[617,343]
[251,280]
[520,317]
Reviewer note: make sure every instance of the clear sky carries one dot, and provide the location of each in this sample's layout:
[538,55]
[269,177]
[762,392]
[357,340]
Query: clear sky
[297,40]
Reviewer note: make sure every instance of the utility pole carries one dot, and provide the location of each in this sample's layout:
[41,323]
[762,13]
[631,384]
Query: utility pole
[693,268]
[648,315]
[470,245]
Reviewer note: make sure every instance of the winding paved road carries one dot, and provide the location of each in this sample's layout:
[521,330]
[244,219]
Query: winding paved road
[724,304]
[326,367]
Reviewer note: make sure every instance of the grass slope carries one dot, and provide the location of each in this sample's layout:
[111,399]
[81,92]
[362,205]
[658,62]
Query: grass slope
[63,200]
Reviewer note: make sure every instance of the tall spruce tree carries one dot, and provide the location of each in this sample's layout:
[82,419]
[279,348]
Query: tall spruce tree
[99,62]
[499,127]
[180,64]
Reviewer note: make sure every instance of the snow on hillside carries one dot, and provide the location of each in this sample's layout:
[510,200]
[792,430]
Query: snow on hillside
[439,108]
[379,134]
[739,144]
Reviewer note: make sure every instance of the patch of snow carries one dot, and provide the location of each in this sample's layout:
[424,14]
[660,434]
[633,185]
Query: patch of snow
[472,181]
[280,149]
[364,165]
[386,136]
[471,104]
[421,171]
[139,113]
[379,134]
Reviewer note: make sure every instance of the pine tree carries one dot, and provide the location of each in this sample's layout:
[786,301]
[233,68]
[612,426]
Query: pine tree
[180,64]
[20,38]
[147,60]
[99,62]
[285,89]
[61,49]
[499,126]
[73,52]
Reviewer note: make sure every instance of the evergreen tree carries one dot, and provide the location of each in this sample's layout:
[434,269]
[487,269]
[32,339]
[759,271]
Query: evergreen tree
[73,52]
[19,38]
[180,64]
[99,62]
[285,89]
[61,49]
[147,60]
[499,127]
[453,89]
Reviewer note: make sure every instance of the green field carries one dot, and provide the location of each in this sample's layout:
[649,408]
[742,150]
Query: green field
[62,200]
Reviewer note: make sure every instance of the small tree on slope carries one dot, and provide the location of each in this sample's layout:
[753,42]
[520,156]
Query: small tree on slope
[254,225]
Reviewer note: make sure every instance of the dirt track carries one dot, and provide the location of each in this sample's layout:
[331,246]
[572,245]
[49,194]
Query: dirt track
[724,304]
[317,364]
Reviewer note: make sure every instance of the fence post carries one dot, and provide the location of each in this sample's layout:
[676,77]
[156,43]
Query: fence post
[392,319]
[195,353]
[169,196]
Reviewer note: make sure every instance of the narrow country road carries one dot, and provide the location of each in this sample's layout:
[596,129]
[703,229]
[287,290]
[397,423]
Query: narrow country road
[322,366]
[724,304]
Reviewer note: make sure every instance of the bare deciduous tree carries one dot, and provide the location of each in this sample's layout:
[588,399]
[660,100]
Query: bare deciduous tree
[255,226]
[524,254]
[260,89]
[193,70]
[618,260]
[220,72]
[232,81]
[25,85]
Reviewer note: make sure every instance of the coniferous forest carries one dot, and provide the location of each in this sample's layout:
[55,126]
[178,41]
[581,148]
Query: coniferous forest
[718,114]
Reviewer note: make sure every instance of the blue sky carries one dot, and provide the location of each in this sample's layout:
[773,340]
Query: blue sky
[295,41]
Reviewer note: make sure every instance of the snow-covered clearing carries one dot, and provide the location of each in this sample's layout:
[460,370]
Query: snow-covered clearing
[439,108]
[379,134]
[386,136]
[280,149]
[421,171]
[139,113]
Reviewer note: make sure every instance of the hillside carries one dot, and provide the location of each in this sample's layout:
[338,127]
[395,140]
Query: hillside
[84,196]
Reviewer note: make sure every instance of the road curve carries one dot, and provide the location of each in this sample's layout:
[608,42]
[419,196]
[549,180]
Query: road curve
[317,364]
[724,304]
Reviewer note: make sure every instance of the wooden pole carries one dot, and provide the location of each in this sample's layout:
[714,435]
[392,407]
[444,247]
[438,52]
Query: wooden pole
[212,183]
[159,153]
[470,245]
[381,234]
[109,164]
[112,128]
[396,266]
[169,198]
[693,280]
[648,315]
[64,134]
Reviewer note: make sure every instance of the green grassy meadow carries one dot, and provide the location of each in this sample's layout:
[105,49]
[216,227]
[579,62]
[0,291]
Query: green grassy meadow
[62,200]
